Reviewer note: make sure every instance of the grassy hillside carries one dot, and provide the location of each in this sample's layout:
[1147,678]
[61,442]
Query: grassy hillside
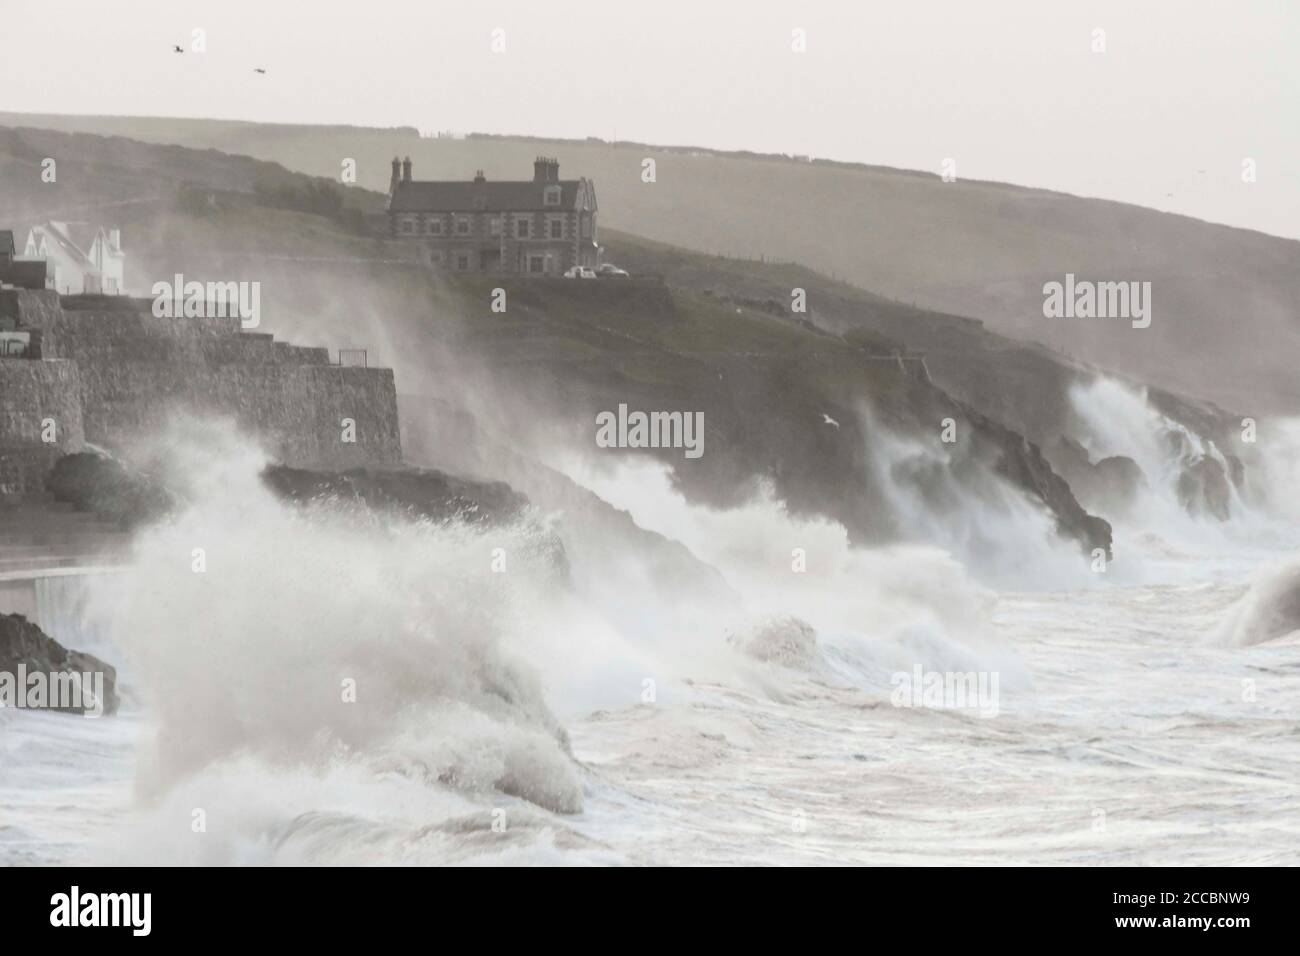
[1227,301]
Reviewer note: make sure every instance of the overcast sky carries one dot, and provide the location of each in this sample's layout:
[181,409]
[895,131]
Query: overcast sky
[1011,89]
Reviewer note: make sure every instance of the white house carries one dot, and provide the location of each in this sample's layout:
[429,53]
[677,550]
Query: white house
[82,258]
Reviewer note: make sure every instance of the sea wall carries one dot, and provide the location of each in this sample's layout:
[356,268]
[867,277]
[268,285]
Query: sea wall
[116,374]
[37,400]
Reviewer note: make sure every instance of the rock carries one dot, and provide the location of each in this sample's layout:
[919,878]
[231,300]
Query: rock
[787,641]
[103,485]
[1110,485]
[100,484]
[1203,488]
[1070,458]
[24,645]
[1021,463]
[1236,471]
[425,493]
[422,492]
[1118,478]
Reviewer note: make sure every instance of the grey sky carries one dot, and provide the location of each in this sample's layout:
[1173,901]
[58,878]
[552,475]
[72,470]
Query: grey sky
[1010,89]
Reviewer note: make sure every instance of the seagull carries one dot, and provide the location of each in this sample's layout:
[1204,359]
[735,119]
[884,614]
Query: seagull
[176,49]
[829,421]
[258,69]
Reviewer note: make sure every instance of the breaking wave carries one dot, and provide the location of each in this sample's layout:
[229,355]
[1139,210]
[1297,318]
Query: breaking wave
[294,652]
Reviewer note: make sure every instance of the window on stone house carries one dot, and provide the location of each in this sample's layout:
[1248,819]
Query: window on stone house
[433,225]
[551,196]
[557,228]
[407,226]
[521,228]
[495,225]
[462,262]
[462,227]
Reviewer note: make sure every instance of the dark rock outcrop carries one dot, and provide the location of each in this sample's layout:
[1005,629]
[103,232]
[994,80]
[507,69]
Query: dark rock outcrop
[1118,478]
[1204,488]
[421,492]
[24,645]
[105,487]
[1022,463]
[1110,485]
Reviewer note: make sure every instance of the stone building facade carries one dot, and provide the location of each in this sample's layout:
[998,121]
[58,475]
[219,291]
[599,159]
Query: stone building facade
[543,226]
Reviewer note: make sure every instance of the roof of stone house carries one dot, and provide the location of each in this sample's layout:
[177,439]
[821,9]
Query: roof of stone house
[473,196]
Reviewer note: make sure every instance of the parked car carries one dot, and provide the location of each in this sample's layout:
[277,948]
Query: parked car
[611,271]
[579,272]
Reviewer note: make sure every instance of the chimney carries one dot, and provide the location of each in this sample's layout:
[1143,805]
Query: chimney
[115,239]
[479,177]
[397,174]
[546,170]
[406,170]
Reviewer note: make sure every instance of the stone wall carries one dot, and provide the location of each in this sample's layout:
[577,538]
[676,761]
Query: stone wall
[34,309]
[30,393]
[117,376]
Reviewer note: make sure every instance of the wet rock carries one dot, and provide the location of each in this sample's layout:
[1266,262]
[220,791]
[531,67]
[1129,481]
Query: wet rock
[1204,489]
[1110,485]
[1022,463]
[99,483]
[27,650]
[421,492]
[426,493]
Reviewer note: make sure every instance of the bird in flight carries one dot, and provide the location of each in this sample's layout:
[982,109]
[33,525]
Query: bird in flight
[829,421]
[176,49]
[258,69]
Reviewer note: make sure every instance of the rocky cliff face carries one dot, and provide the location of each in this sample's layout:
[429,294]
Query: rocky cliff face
[1022,463]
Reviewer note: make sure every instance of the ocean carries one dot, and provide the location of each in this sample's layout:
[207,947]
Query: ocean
[344,688]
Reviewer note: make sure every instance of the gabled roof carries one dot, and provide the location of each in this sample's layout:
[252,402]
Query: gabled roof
[504,196]
[56,236]
[81,235]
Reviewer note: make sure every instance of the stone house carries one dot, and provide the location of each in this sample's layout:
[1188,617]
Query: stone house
[541,226]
